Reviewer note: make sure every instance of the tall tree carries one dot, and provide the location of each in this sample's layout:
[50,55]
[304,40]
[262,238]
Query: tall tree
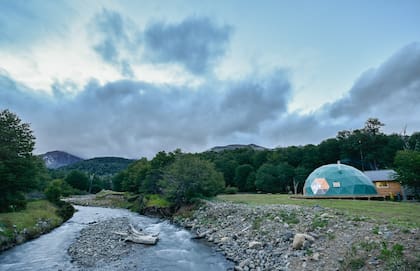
[78,180]
[408,167]
[18,168]
[242,174]
[274,178]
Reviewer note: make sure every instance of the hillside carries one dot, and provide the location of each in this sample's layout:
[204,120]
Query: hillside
[57,159]
[100,166]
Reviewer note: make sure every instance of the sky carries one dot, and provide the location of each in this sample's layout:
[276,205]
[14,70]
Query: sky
[132,78]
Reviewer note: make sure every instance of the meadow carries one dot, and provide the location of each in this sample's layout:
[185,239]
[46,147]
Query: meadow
[399,213]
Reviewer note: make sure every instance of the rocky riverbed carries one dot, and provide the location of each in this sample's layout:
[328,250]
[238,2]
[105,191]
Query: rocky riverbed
[98,244]
[287,237]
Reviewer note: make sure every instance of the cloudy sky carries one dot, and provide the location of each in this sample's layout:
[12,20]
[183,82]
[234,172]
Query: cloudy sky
[131,78]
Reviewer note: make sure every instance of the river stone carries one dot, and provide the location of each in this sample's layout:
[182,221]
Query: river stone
[254,244]
[298,241]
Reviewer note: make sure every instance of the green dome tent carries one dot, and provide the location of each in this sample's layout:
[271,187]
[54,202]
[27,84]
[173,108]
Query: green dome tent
[338,180]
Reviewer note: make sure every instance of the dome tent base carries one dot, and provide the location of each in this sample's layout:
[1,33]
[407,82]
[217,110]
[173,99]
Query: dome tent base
[352,197]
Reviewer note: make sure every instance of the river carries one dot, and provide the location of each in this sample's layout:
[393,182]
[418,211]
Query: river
[174,251]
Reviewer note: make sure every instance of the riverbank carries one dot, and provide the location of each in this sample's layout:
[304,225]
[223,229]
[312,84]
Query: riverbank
[99,246]
[38,218]
[290,237]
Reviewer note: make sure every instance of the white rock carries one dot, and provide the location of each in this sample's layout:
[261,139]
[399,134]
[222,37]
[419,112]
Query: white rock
[254,244]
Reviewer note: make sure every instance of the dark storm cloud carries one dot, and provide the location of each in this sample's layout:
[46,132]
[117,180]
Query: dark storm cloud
[117,35]
[196,43]
[252,101]
[395,84]
[134,118]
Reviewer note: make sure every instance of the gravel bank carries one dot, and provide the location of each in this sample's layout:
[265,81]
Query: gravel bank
[98,245]
[287,237]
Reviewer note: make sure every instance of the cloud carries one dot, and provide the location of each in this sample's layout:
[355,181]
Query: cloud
[196,43]
[396,82]
[390,92]
[117,39]
[135,118]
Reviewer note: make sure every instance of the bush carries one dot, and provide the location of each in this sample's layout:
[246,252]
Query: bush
[53,192]
[231,190]
[77,180]
[190,177]
[65,210]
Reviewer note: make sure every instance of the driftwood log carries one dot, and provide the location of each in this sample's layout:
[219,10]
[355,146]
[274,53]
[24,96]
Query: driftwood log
[136,236]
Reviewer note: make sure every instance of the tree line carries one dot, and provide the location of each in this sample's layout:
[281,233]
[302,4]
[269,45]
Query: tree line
[284,169]
[177,178]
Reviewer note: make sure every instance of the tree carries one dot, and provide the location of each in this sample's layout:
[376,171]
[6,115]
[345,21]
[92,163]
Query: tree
[18,167]
[16,138]
[274,179]
[408,168]
[373,126]
[242,173]
[299,178]
[78,180]
[135,175]
[190,177]
[150,184]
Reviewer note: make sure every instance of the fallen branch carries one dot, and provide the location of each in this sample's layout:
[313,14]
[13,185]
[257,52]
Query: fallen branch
[136,236]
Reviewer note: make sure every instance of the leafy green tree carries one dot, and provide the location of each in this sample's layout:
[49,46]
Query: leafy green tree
[408,167]
[118,179]
[414,142]
[135,175]
[274,179]
[329,151]
[190,177]
[227,166]
[150,184]
[299,178]
[53,191]
[242,173]
[19,169]
[78,180]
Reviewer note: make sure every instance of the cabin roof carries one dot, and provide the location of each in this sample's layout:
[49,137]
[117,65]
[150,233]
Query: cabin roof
[381,175]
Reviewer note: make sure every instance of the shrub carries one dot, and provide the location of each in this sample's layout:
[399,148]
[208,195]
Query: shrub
[231,190]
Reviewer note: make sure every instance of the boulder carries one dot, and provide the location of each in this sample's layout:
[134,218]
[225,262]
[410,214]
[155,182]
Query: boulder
[254,244]
[299,240]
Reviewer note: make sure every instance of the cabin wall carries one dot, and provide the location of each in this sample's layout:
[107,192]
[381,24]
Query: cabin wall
[386,188]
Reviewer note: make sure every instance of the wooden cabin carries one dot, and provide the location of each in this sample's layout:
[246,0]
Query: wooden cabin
[385,183]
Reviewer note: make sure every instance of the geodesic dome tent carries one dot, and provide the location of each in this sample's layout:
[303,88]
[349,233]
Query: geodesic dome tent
[338,180]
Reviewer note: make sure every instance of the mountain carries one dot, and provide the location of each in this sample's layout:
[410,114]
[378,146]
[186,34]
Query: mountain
[100,166]
[56,159]
[237,146]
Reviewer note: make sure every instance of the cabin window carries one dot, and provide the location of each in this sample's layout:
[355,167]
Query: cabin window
[382,184]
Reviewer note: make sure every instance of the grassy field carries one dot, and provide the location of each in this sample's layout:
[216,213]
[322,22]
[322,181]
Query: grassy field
[36,210]
[400,213]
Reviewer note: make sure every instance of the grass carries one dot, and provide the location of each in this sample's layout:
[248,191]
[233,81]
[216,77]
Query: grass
[105,193]
[35,210]
[157,201]
[399,213]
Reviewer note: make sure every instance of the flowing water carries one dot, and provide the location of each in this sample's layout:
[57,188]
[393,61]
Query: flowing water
[174,251]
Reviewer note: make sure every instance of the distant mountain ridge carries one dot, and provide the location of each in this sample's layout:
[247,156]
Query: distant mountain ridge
[57,159]
[100,166]
[237,146]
